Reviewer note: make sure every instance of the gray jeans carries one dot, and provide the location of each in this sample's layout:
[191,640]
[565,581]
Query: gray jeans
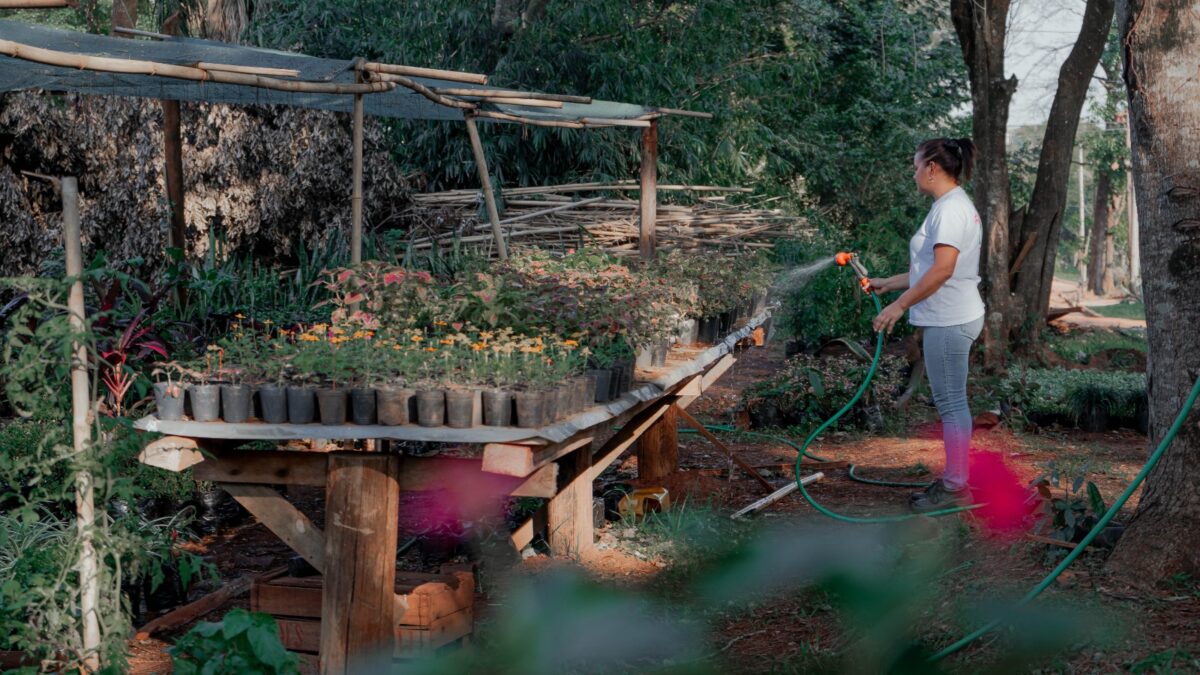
[947,358]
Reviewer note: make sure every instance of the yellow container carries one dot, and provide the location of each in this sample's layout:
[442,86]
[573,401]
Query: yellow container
[642,501]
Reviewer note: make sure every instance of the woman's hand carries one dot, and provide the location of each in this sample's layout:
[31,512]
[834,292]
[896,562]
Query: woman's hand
[886,320]
[879,285]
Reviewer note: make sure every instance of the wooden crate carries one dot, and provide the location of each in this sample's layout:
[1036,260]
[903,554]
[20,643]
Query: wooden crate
[431,610]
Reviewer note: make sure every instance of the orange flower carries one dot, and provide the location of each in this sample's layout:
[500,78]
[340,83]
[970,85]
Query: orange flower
[431,349]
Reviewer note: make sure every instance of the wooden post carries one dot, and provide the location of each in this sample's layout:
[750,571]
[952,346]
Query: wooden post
[658,448]
[649,195]
[570,511]
[356,200]
[89,588]
[485,181]
[361,516]
[173,160]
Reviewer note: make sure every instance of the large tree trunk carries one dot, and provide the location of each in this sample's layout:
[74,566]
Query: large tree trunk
[981,29]
[1161,62]
[124,15]
[1105,214]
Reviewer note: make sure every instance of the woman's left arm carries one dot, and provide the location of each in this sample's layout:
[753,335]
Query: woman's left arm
[945,257]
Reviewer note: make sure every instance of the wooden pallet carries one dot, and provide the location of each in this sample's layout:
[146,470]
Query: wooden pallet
[432,610]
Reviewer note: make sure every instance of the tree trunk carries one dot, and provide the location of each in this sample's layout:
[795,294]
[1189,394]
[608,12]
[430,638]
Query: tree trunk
[1018,297]
[1104,217]
[981,30]
[124,15]
[1161,62]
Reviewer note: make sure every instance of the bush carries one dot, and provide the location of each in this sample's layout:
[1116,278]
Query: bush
[241,643]
[1070,394]
[1081,345]
[810,389]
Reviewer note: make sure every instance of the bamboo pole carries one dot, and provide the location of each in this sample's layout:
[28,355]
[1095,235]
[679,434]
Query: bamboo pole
[409,83]
[356,199]
[552,209]
[432,73]
[511,93]
[89,588]
[684,113]
[141,33]
[129,66]
[33,4]
[649,197]
[526,102]
[486,183]
[562,124]
[250,70]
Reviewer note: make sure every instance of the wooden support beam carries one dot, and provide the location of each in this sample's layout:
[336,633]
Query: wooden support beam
[571,530]
[524,535]
[485,182]
[775,496]
[356,196]
[629,434]
[709,378]
[35,4]
[648,199]
[172,453]
[512,459]
[289,467]
[173,171]
[510,93]
[358,601]
[658,448]
[750,470]
[283,519]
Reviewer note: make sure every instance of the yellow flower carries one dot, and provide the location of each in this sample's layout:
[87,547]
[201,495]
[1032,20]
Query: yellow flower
[446,341]
[478,346]
[320,327]
[440,323]
[309,337]
[397,347]
[570,343]
[417,338]
[268,322]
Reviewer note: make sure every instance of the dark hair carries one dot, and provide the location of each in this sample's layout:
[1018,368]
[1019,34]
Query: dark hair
[956,156]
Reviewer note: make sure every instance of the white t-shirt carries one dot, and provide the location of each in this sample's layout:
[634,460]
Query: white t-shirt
[953,221]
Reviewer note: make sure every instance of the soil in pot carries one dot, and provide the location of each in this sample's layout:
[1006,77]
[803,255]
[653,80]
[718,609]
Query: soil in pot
[301,405]
[431,407]
[460,408]
[206,402]
[362,406]
[602,380]
[272,404]
[236,402]
[531,408]
[392,405]
[497,408]
[331,403]
[168,401]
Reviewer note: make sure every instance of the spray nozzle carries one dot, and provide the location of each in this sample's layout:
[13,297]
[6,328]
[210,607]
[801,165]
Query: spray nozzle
[844,258]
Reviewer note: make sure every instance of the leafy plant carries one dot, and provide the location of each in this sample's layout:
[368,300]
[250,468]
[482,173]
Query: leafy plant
[1080,505]
[241,643]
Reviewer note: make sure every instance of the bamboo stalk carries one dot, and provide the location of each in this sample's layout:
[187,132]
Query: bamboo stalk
[250,70]
[511,93]
[409,83]
[431,73]
[491,114]
[356,195]
[486,183]
[33,4]
[614,122]
[85,508]
[141,33]
[134,67]
[527,102]
[685,113]
[553,209]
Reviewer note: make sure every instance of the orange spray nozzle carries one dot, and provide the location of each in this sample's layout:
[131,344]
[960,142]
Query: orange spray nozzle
[843,258]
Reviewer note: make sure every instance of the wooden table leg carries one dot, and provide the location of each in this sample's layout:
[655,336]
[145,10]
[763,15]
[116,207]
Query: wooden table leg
[570,512]
[658,448]
[361,516]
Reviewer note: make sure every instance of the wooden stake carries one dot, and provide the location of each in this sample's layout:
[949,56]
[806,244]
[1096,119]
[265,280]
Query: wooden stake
[777,495]
[753,473]
[486,183]
[89,584]
[649,197]
[356,199]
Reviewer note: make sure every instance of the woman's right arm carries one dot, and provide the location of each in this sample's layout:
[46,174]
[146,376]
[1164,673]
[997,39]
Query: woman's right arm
[887,284]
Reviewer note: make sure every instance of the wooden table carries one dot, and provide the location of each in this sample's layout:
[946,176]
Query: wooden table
[356,553]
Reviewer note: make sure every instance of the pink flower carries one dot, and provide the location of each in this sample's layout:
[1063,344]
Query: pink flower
[393,278]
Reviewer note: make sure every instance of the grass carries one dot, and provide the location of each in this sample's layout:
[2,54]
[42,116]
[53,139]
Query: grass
[1125,310]
[1079,346]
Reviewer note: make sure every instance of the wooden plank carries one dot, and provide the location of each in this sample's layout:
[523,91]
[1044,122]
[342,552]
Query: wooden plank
[521,460]
[570,511]
[184,615]
[281,518]
[658,448]
[173,453]
[358,601]
[775,496]
[629,433]
[524,534]
[420,598]
[750,470]
[709,378]
[303,635]
[289,467]
[543,483]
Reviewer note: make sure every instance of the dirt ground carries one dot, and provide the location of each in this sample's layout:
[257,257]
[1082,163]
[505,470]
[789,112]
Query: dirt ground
[1142,631]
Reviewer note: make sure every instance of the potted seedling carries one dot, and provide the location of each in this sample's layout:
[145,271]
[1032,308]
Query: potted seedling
[331,399]
[431,391]
[463,394]
[497,400]
[237,397]
[309,358]
[205,395]
[273,393]
[169,393]
[364,365]
[394,400]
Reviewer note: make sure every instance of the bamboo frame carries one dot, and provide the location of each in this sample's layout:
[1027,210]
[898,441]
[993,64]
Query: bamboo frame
[648,201]
[527,102]
[486,183]
[129,66]
[685,113]
[511,93]
[33,4]
[421,89]
[432,73]
[249,70]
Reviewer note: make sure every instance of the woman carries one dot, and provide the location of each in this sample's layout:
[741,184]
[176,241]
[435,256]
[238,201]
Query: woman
[941,294]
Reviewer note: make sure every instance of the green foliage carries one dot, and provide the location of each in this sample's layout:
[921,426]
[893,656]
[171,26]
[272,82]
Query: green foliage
[810,389]
[1081,346]
[1067,393]
[1124,310]
[1081,499]
[242,643]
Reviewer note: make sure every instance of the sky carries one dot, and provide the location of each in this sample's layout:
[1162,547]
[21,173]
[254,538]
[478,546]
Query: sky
[1040,36]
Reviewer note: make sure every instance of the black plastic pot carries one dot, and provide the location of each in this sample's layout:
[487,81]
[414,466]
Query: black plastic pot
[236,402]
[206,402]
[460,408]
[709,330]
[724,324]
[531,408]
[168,401]
[362,406]
[215,509]
[431,407]
[301,405]
[497,408]
[626,375]
[602,381]
[272,404]
[169,594]
[689,331]
[332,406]
[393,406]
